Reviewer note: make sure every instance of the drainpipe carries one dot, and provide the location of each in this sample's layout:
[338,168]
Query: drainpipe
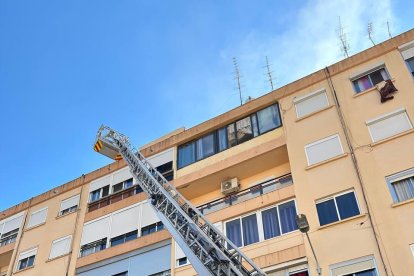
[356,166]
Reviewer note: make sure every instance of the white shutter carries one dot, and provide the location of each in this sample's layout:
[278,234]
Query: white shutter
[148,216]
[179,253]
[99,183]
[389,124]
[311,103]
[27,253]
[95,230]
[323,149]
[121,176]
[354,268]
[125,221]
[60,247]
[161,158]
[12,223]
[219,226]
[70,202]
[407,50]
[37,217]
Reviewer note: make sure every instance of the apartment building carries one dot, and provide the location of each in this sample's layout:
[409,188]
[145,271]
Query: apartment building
[337,146]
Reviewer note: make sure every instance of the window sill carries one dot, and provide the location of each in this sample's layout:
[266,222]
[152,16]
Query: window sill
[33,227]
[313,113]
[67,214]
[341,221]
[402,202]
[369,90]
[326,161]
[393,137]
[22,270]
[58,257]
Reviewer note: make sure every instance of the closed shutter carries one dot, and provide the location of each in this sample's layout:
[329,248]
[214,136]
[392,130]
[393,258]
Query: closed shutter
[99,183]
[353,268]
[12,223]
[161,158]
[407,50]
[95,230]
[323,149]
[60,247]
[37,217]
[148,216]
[179,253]
[311,103]
[70,202]
[121,176]
[27,254]
[389,125]
[125,221]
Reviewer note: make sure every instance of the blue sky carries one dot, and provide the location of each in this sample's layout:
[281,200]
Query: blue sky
[147,68]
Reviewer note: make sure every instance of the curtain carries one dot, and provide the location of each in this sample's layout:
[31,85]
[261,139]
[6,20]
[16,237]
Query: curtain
[287,214]
[327,212]
[270,223]
[404,189]
[233,232]
[362,84]
[250,230]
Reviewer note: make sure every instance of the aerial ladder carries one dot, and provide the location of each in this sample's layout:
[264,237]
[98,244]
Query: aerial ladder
[209,251]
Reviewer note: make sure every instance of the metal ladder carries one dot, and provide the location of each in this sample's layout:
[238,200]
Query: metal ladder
[209,251]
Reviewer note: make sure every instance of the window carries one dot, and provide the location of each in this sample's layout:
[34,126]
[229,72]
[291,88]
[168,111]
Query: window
[311,103]
[69,205]
[166,170]
[9,237]
[60,247]
[9,229]
[124,238]
[122,185]
[370,79]
[389,124]
[38,217]
[99,193]
[180,258]
[410,64]
[152,228]
[337,208]
[162,273]
[299,273]
[401,185]
[323,149]
[364,266]
[229,136]
[125,273]
[93,247]
[407,52]
[26,259]
[274,222]
[182,261]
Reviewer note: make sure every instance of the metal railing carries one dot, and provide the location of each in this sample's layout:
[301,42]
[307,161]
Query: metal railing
[112,198]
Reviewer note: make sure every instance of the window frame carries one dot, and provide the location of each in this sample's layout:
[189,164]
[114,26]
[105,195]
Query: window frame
[59,240]
[367,73]
[385,117]
[320,141]
[398,177]
[259,221]
[35,212]
[19,260]
[333,197]
[100,193]
[71,209]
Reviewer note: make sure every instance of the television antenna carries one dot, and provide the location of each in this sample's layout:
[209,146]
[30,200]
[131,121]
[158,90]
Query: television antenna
[370,32]
[237,78]
[388,28]
[342,37]
[269,73]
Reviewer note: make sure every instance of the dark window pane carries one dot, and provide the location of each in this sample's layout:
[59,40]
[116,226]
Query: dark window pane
[186,154]
[105,191]
[302,273]
[128,183]
[166,170]
[138,190]
[222,138]
[327,212]
[117,240]
[30,261]
[182,261]
[205,146]
[244,130]
[270,223]
[95,195]
[116,188]
[287,213]
[370,272]
[231,135]
[268,118]
[233,232]
[378,76]
[255,127]
[131,235]
[250,230]
[410,63]
[347,205]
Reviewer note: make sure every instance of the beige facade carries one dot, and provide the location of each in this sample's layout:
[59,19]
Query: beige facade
[341,157]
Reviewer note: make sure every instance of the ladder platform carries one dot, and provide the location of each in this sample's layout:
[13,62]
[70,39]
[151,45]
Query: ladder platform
[107,149]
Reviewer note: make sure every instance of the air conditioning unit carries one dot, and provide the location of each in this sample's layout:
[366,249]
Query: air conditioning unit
[230,186]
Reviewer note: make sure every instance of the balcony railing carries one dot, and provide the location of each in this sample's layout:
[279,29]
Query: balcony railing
[246,194]
[9,237]
[112,198]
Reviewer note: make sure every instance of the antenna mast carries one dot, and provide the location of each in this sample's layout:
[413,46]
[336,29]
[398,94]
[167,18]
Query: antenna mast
[237,78]
[269,73]
[342,37]
[389,31]
[370,32]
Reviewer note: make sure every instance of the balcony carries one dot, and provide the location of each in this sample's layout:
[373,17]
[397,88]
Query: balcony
[113,198]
